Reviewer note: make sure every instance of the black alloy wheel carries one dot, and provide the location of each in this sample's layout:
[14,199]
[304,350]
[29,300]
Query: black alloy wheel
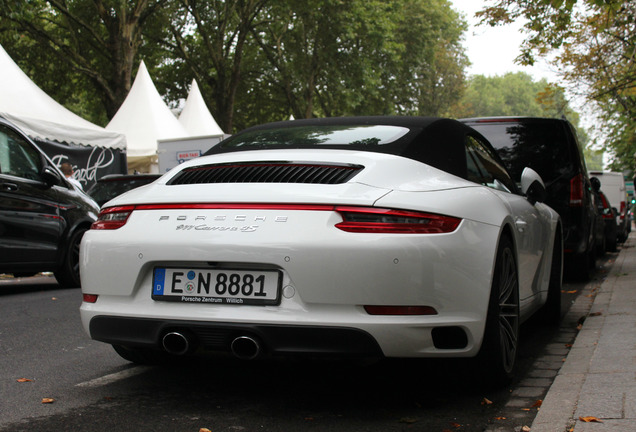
[498,354]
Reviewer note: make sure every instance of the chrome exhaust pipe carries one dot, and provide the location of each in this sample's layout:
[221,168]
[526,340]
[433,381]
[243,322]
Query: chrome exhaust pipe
[245,348]
[176,343]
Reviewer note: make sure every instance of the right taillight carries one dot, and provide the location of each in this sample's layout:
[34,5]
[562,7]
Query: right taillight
[112,218]
[622,215]
[576,191]
[389,221]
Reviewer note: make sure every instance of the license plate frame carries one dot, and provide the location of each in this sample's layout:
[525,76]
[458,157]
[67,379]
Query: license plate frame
[222,286]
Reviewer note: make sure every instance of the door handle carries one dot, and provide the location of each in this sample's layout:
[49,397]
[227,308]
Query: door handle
[9,187]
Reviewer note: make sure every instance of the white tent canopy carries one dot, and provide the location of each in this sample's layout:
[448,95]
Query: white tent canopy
[195,116]
[40,116]
[145,118]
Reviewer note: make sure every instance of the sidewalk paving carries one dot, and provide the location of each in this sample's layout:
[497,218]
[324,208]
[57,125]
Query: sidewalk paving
[597,382]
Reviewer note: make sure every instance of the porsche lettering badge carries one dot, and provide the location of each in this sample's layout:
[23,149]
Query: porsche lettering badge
[220,218]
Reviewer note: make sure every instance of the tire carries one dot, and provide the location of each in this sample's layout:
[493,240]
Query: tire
[498,354]
[68,275]
[551,310]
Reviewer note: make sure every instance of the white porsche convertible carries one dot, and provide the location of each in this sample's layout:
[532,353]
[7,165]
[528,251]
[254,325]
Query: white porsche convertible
[363,236]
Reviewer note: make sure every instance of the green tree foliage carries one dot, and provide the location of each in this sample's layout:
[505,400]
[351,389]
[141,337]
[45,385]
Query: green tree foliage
[512,94]
[595,46]
[82,52]
[516,94]
[208,40]
[593,159]
[254,60]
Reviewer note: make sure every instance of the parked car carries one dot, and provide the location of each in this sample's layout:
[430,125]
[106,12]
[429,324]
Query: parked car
[608,216]
[370,236]
[42,215]
[550,147]
[112,185]
[613,185]
[609,219]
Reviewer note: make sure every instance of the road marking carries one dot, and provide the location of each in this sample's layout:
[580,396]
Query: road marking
[109,379]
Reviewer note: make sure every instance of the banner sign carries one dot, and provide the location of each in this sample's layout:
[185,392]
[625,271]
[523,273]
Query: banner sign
[89,163]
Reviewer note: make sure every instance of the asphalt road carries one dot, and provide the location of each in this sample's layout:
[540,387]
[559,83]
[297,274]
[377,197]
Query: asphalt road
[93,389]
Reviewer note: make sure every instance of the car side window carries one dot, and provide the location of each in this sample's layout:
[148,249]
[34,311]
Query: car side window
[17,156]
[484,168]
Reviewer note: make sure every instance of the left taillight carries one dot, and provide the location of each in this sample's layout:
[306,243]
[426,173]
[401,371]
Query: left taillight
[112,218]
[390,221]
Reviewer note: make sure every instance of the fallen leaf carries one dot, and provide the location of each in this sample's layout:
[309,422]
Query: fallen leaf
[204,430]
[568,345]
[590,419]
[572,292]
[23,380]
[537,404]
[596,314]
[456,425]
[485,401]
[408,420]
[500,418]
[525,429]
[53,298]
[47,400]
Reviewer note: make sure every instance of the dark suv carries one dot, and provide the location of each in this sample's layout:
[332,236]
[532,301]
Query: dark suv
[550,147]
[42,216]
[112,185]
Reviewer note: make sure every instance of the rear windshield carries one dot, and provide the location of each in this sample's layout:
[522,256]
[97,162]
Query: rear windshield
[363,136]
[541,146]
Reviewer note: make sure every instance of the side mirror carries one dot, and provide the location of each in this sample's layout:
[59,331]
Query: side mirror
[532,186]
[50,176]
[596,184]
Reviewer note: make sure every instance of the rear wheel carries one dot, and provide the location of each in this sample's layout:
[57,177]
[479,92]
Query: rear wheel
[68,274]
[498,353]
[551,311]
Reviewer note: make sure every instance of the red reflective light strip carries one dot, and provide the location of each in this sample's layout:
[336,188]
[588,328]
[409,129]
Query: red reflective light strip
[234,206]
[400,310]
[90,298]
[622,215]
[428,223]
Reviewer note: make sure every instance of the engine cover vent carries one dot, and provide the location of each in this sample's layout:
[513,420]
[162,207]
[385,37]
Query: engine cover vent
[267,172]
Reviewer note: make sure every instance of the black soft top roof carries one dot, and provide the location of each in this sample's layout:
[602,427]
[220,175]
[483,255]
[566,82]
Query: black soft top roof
[439,142]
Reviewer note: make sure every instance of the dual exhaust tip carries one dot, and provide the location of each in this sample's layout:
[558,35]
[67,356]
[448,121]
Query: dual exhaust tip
[180,343]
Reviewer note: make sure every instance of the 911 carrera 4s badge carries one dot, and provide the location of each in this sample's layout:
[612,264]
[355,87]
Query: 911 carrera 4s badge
[220,286]
[204,227]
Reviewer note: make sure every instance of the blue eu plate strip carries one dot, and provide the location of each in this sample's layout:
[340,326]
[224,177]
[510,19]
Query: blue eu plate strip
[159,279]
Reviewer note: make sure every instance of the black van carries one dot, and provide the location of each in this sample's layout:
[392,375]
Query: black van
[42,216]
[550,147]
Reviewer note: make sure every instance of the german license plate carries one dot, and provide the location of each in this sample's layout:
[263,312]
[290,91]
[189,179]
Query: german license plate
[218,286]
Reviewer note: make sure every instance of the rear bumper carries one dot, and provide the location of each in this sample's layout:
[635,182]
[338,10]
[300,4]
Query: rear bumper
[216,336]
